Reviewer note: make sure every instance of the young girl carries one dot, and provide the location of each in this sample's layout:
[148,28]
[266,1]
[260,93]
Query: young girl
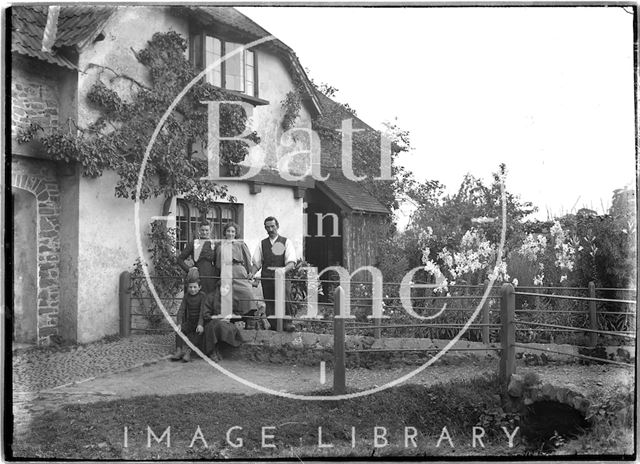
[188,317]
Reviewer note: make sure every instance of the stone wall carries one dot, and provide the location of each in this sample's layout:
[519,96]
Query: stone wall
[34,95]
[38,177]
[525,393]
[308,348]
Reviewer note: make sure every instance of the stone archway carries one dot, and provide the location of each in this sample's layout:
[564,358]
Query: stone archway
[44,187]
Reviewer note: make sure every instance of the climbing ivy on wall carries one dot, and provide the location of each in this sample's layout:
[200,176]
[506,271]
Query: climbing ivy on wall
[118,138]
[291,104]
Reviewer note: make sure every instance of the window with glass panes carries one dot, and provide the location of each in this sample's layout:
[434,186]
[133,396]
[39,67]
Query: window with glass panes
[188,221]
[238,72]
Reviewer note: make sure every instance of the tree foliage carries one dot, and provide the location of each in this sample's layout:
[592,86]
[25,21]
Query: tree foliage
[608,255]
[449,217]
[572,250]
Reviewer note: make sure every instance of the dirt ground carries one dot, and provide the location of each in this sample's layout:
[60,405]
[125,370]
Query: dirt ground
[170,378]
[167,378]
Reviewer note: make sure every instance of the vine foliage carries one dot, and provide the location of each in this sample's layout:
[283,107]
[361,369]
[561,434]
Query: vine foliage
[291,104]
[167,276]
[117,139]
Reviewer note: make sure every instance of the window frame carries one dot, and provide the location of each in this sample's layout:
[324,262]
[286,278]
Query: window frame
[193,219]
[200,38]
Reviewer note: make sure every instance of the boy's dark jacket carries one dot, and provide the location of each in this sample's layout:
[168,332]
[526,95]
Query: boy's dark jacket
[197,299]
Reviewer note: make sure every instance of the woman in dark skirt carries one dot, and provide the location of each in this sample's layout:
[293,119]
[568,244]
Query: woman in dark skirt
[217,329]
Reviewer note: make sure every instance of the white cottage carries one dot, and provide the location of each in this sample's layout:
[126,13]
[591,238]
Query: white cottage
[72,236]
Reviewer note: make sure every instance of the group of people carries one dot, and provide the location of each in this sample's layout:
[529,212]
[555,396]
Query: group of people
[198,316]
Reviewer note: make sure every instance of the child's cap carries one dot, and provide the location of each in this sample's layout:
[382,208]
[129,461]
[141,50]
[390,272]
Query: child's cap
[193,276]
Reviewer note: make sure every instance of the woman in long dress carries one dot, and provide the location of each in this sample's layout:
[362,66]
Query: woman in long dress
[243,299]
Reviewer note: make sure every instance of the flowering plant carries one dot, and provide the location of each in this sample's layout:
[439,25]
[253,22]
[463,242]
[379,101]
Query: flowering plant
[474,261]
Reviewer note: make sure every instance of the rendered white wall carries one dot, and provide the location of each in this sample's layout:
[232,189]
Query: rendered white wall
[107,243]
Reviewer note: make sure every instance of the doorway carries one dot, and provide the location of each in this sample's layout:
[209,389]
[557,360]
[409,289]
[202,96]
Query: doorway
[25,266]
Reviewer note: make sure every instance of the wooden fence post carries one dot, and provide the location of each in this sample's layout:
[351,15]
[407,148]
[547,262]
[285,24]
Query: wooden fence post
[124,297]
[377,333]
[508,333]
[280,296]
[593,317]
[486,316]
[339,382]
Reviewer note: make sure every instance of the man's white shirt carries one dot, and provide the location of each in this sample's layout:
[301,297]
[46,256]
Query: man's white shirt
[289,252]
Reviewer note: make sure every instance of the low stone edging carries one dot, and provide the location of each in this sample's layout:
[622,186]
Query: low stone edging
[301,340]
[305,341]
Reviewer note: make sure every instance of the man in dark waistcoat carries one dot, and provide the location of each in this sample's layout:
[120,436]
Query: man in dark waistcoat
[274,251]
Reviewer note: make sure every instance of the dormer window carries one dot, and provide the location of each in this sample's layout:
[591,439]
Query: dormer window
[238,73]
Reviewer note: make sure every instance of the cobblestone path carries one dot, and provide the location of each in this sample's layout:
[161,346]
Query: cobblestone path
[38,369]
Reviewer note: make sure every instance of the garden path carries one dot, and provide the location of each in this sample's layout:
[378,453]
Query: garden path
[149,375]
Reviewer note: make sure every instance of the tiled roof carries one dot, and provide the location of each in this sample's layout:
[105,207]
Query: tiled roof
[79,23]
[76,24]
[350,194]
[28,46]
[270,176]
[231,17]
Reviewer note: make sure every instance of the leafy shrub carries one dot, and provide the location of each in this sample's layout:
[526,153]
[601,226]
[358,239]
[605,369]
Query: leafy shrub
[168,281]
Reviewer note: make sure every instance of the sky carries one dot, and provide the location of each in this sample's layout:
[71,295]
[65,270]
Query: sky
[546,90]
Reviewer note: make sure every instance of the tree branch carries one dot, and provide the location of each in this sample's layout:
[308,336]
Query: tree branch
[116,75]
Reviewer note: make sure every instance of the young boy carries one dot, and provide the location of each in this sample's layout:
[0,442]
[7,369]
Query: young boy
[188,319]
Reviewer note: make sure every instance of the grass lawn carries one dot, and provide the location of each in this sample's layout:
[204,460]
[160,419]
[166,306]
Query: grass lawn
[408,421]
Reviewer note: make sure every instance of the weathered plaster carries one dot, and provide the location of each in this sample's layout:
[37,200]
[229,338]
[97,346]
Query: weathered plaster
[107,247]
